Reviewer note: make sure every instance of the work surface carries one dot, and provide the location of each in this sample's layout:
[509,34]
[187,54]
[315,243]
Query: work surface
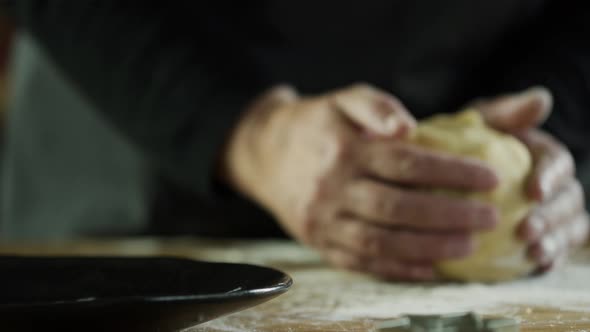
[325,299]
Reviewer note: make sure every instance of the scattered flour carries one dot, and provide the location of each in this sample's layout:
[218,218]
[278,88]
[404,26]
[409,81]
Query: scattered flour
[327,295]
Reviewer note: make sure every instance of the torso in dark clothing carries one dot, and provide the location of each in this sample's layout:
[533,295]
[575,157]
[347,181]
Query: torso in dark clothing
[434,55]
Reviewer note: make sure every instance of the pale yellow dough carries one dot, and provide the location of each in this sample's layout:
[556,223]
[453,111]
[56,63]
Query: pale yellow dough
[499,255]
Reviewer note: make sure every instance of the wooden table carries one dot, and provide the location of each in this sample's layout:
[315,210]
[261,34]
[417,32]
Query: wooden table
[324,299]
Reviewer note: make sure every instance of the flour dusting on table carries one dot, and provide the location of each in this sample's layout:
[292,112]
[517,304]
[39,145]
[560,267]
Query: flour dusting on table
[324,294]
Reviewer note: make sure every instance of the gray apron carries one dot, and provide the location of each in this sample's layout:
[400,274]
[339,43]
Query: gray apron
[65,171]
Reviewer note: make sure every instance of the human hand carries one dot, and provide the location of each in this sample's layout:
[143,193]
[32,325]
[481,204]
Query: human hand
[559,222]
[337,174]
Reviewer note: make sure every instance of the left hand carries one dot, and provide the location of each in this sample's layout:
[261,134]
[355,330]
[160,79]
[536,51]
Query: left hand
[559,223]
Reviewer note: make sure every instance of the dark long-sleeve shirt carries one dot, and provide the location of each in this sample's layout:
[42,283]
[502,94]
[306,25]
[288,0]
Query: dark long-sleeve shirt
[174,77]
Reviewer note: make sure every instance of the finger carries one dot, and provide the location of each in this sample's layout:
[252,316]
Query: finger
[556,263]
[561,208]
[389,269]
[389,206]
[579,230]
[276,96]
[547,249]
[408,164]
[560,240]
[377,242]
[519,111]
[375,111]
[554,165]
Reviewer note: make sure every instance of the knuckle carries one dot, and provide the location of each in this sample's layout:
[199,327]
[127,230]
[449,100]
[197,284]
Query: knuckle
[318,209]
[370,242]
[309,220]
[321,191]
[410,247]
[308,228]
[409,212]
[340,149]
[351,262]
[375,201]
[386,207]
[337,151]
[403,151]
[406,161]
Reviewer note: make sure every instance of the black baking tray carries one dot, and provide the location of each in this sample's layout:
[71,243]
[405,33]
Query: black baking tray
[127,293]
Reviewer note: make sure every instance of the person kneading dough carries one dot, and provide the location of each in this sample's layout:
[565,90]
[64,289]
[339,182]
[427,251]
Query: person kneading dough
[499,255]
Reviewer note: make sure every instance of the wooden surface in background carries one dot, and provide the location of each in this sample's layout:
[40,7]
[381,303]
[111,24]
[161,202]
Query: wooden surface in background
[324,299]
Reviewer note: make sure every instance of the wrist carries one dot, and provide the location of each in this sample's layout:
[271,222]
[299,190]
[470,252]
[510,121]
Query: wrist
[249,159]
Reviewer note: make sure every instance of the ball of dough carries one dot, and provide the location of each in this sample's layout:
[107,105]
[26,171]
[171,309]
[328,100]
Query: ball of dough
[499,255]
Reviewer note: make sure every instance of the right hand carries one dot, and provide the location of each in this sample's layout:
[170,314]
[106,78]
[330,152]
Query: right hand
[337,174]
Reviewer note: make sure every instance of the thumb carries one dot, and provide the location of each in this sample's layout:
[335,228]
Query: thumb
[517,112]
[376,112]
[275,97]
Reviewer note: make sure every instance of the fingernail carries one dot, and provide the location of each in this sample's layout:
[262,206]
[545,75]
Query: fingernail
[390,125]
[542,97]
[538,90]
